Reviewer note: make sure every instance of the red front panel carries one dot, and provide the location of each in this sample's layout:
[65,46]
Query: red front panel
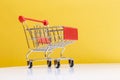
[43,40]
[70,33]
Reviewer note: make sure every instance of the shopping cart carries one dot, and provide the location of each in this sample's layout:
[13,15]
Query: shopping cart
[43,38]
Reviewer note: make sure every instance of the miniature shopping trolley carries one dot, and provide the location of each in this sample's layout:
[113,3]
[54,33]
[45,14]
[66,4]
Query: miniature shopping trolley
[44,38]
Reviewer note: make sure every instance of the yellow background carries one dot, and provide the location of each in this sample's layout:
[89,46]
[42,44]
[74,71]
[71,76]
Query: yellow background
[98,22]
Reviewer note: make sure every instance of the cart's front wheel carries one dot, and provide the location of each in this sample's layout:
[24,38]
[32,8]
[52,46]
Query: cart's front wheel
[49,63]
[71,62]
[57,63]
[29,64]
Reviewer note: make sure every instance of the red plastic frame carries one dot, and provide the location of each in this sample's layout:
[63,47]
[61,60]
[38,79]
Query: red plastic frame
[70,33]
[22,19]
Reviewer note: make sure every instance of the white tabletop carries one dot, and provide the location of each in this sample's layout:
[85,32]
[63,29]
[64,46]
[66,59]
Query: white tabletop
[79,72]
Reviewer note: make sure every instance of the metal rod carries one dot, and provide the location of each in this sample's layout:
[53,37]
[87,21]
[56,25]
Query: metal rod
[58,34]
[46,27]
[36,36]
[54,35]
[26,35]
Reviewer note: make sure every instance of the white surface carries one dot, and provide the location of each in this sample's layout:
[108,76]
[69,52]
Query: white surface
[79,72]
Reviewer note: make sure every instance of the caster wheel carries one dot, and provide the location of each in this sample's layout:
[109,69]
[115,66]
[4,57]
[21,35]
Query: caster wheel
[29,64]
[57,63]
[49,63]
[71,63]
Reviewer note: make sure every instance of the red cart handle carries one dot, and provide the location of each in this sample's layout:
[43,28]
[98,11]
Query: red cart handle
[22,19]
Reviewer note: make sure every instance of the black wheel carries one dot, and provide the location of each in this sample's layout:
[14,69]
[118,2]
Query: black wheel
[49,63]
[29,64]
[71,63]
[57,63]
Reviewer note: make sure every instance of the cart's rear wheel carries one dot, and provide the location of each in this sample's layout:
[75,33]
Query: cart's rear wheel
[57,63]
[29,64]
[49,63]
[71,62]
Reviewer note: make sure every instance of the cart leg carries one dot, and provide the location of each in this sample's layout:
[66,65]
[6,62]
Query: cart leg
[48,54]
[61,53]
[27,55]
